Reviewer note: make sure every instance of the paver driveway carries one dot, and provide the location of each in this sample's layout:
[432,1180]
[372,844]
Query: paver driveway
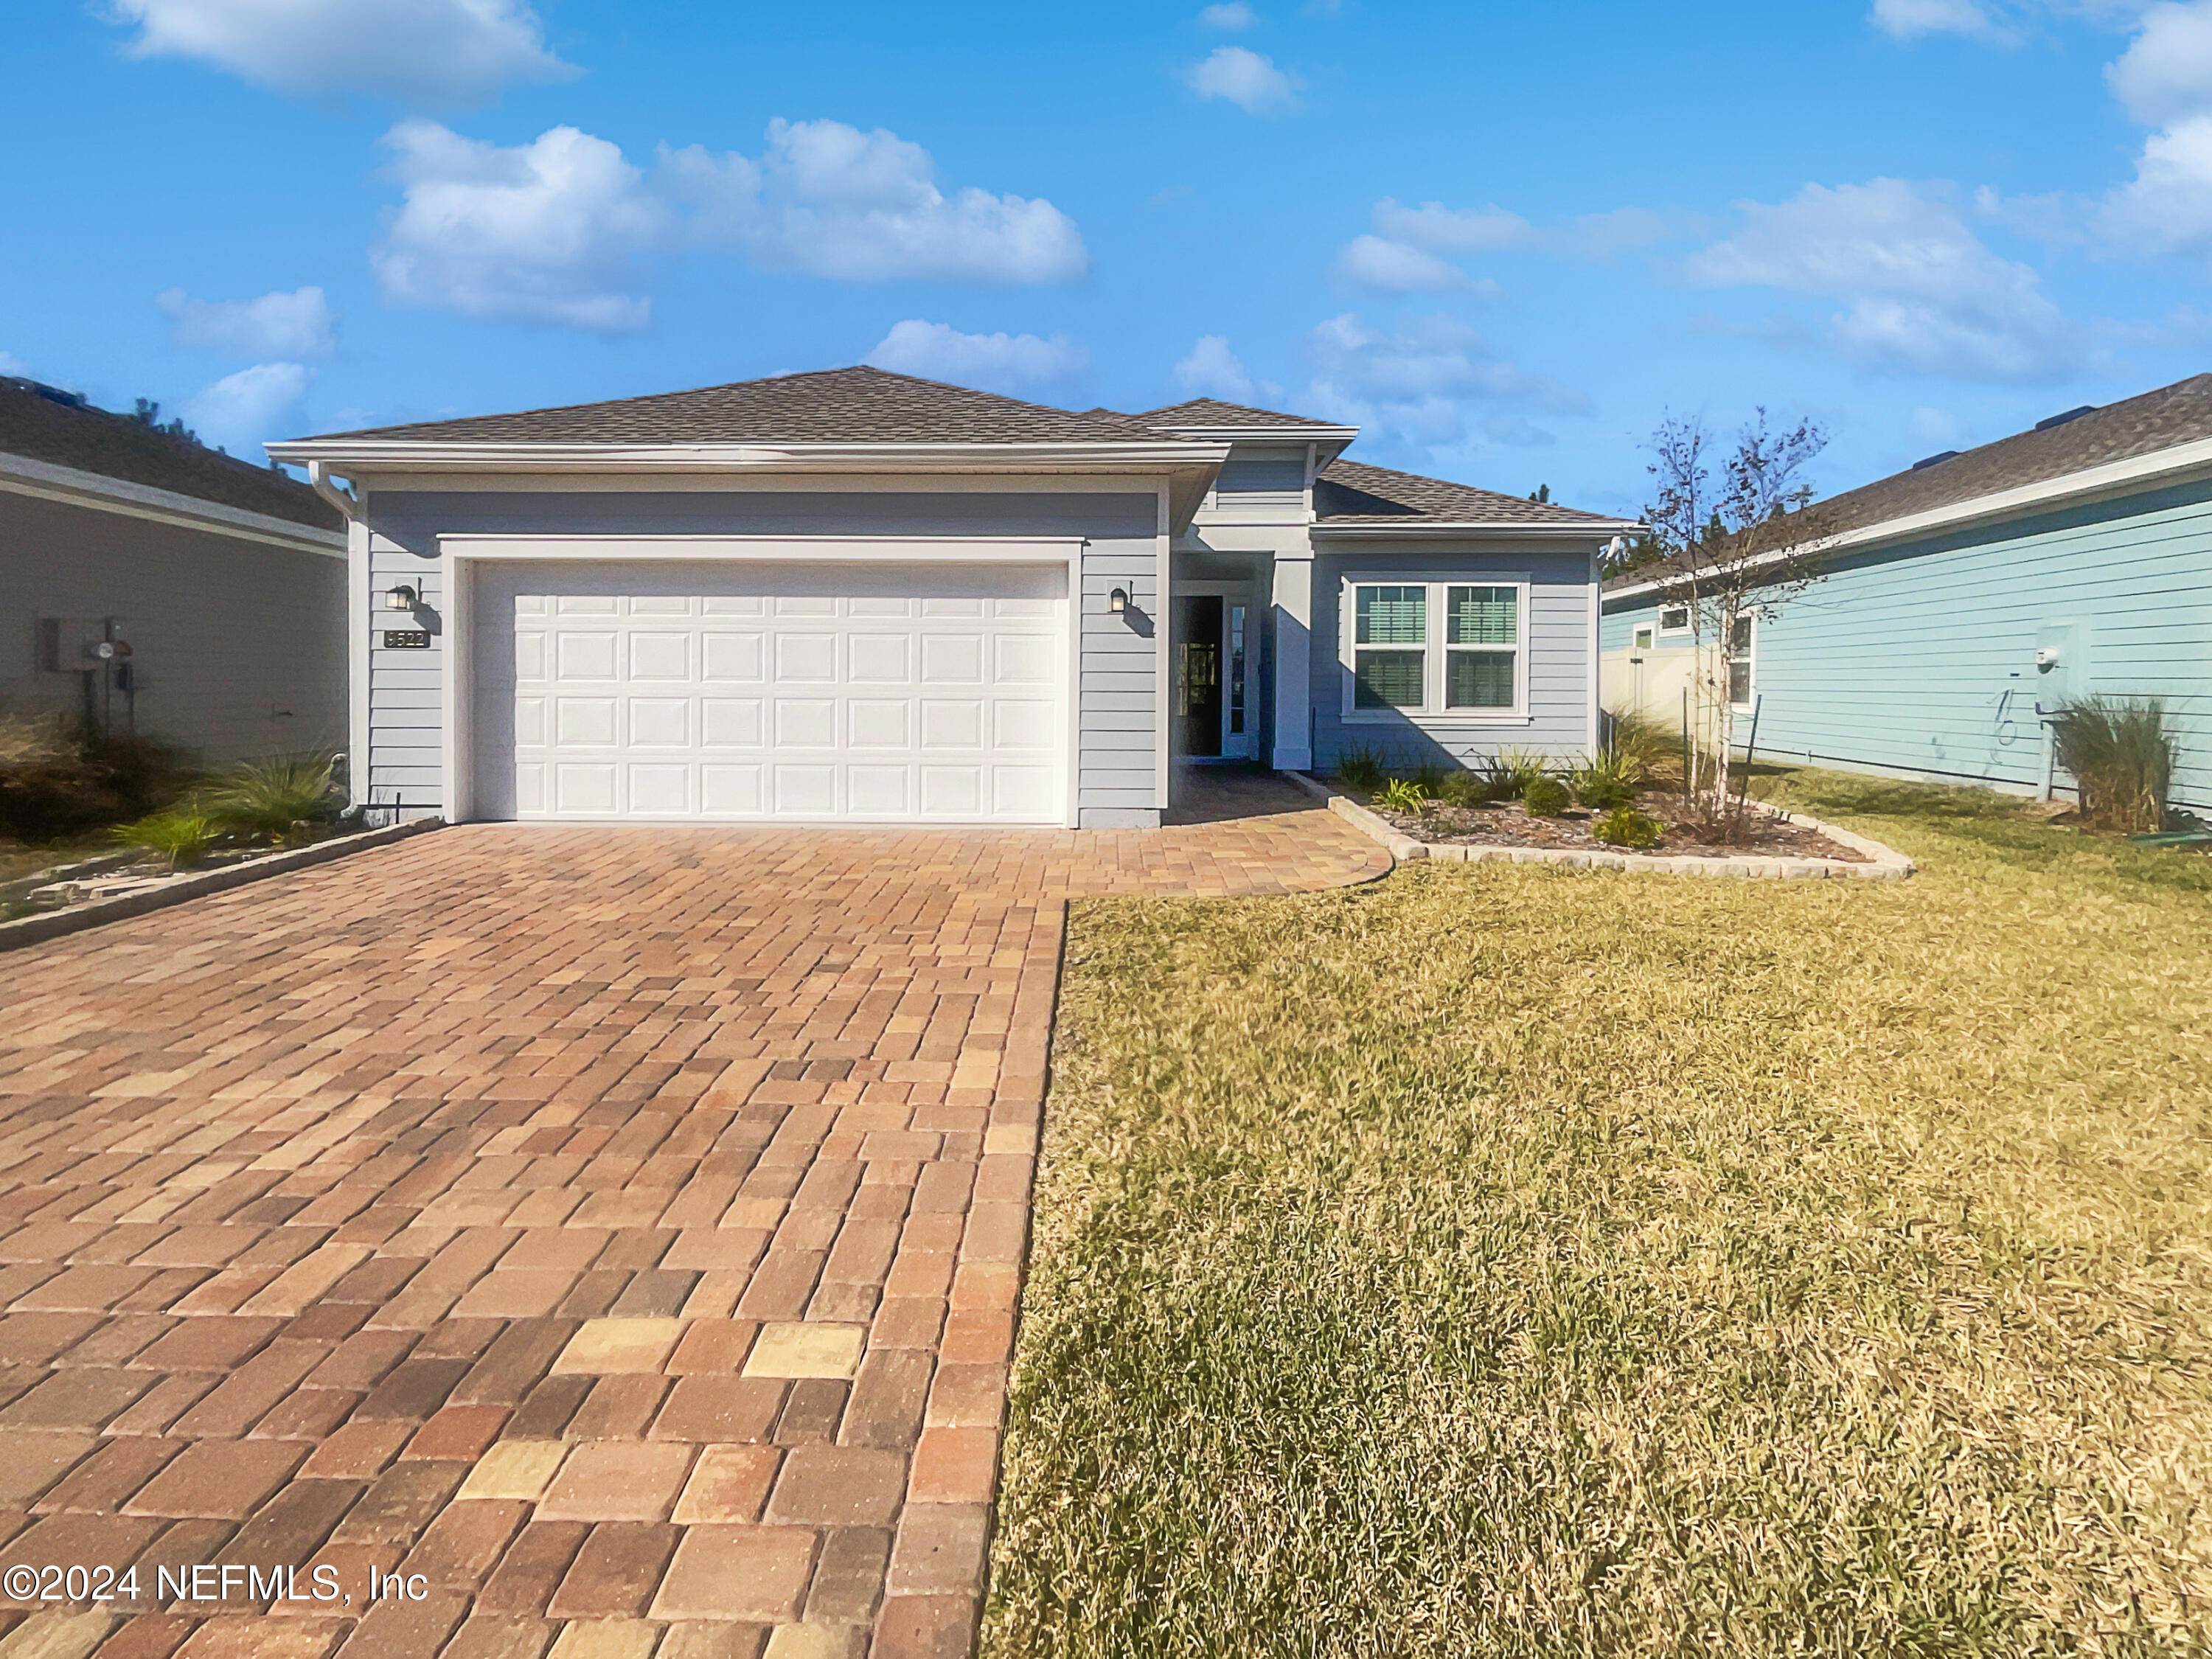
[614,1234]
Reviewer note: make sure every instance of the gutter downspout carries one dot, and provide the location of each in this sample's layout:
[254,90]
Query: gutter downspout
[320,481]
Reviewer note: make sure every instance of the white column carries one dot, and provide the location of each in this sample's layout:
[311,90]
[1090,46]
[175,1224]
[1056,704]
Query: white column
[1292,750]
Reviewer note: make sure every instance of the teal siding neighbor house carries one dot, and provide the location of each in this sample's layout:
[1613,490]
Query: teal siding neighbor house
[1969,596]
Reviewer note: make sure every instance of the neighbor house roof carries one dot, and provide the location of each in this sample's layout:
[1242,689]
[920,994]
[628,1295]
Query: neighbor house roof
[37,425]
[1353,493]
[1206,412]
[2007,475]
[831,406]
[2175,414]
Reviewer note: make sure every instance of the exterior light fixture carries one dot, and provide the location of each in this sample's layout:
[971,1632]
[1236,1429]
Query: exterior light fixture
[1118,601]
[401,597]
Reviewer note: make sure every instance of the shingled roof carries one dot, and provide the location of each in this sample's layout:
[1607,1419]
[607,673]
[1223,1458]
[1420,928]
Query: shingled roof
[2177,414]
[830,406]
[1353,493]
[38,427]
[1208,412]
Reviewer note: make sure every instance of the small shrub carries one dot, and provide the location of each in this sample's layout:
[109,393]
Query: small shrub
[179,837]
[1463,789]
[1624,826]
[2122,755]
[1362,769]
[1403,795]
[1604,782]
[273,800]
[1428,777]
[1511,771]
[1644,751]
[1545,798]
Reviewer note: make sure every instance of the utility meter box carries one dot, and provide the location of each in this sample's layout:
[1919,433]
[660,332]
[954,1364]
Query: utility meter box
[2058,668]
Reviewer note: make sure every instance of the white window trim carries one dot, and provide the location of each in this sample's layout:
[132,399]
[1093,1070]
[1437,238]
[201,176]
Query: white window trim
[1432,714]
[1659,621]
[1750,619]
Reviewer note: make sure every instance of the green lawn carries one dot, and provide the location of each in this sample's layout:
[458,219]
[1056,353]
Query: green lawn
[1512,1260]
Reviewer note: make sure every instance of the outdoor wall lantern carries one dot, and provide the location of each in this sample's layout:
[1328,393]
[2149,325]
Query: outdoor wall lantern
[401,597]
[1118,601]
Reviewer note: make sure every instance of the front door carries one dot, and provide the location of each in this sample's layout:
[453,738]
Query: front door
[1198,675]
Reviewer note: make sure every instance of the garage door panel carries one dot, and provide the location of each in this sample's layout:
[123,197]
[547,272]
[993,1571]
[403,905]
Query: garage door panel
[805,723]
[584,789]
[882,658]
[658,791]
[879,723]
[735,693]
[732,722]
[580,656]
[952,659]
[660,722]
[733,657]
[659,656]
[951,792]
[731,792]
[585,722]
[806,657]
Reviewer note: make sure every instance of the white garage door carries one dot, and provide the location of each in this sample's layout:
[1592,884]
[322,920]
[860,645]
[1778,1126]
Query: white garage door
[756,692]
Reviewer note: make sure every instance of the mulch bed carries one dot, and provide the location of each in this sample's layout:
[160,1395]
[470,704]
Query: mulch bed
[1506,824]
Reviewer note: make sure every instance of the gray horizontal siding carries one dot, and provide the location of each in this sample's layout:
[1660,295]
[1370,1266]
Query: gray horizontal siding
[1117,696]
[1560,695]
[1115,680]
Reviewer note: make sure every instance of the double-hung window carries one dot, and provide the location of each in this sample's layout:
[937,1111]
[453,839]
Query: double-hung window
[1742,654]
[1448,650]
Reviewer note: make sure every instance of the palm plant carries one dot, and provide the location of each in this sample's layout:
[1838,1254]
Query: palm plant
[1403,795]
[273,800]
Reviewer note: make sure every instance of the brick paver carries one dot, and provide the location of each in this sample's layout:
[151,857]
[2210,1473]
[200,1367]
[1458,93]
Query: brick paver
[604,1241]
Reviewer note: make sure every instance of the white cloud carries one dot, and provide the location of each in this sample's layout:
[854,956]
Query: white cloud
[1377,263]
[295,324]
[1212,370]
[1921,292]
[546,232]
[1907,19]
[828,200]
[1229,17]
[1417,382]
[1439,229]
[2167,207]
[241,411]
[993,363]
[11,364]
[431,54]
[2165,74]
[1936,430]
[1246,79]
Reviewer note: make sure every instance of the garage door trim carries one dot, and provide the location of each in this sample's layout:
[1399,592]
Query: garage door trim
[460,551]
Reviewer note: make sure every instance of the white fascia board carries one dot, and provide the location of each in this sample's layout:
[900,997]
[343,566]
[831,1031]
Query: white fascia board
[22,476]
[341,454]
[2112,478]
[1339,435]
[894,549]
[1602,530]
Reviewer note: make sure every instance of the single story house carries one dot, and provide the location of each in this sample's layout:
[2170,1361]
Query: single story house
[855,595]
[158,588]
[1967,598]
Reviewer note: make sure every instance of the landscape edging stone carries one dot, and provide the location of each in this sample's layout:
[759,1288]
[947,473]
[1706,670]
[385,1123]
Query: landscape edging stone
[1885,863]
[58,924]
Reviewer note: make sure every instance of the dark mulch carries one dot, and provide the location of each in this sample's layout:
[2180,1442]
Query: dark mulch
[1506,824]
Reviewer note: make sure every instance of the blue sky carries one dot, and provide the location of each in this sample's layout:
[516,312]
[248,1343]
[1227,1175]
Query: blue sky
[1504,239]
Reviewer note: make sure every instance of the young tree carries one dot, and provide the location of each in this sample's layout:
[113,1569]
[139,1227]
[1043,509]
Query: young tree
[1730,551]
